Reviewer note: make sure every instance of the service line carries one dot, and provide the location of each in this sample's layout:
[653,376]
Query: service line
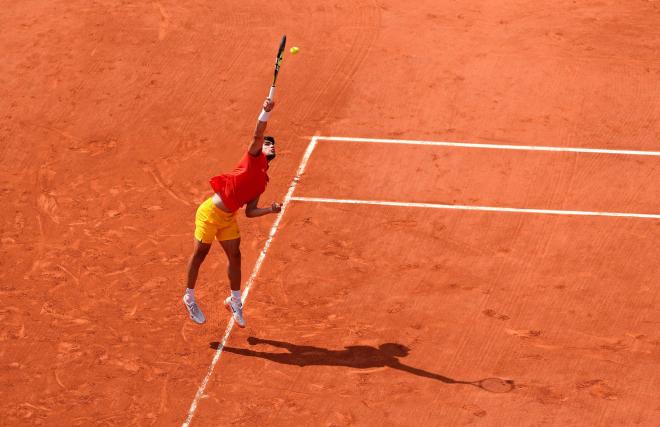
[473,208]
[489,146]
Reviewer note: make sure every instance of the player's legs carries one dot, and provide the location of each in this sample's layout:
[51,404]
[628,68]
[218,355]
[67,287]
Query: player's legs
[205,231]
[200,250]
[233,303]
[233,251]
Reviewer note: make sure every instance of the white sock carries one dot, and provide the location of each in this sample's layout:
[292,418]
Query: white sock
[236,296]
[190,295]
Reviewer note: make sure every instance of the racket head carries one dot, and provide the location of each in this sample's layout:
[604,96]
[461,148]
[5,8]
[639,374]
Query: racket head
[278,58]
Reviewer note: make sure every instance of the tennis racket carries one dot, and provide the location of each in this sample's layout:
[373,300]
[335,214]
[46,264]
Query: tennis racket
[278,62]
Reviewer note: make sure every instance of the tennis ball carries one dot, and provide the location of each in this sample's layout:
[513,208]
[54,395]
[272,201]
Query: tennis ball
[294,50]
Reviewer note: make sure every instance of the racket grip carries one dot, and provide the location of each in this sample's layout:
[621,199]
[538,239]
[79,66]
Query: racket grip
[271,93]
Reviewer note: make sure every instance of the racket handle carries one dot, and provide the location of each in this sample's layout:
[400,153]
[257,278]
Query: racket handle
[271,94]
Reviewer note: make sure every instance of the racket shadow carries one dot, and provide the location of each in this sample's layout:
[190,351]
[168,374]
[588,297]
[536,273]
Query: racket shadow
[358,357]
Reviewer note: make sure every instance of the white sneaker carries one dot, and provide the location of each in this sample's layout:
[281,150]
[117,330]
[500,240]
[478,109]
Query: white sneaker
[236,309]
[195,313]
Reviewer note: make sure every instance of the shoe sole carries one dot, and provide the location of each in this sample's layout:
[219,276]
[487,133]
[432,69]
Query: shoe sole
[232,315]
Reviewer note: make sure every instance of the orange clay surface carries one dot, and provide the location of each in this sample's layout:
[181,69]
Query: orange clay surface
[113,115]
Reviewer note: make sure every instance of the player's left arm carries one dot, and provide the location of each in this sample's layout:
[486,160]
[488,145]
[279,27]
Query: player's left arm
[252,211]
[258,138]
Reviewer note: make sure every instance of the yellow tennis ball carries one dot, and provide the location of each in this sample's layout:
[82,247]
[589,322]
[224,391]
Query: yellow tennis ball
[294,50]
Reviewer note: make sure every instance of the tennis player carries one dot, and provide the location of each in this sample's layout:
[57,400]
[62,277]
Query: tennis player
[216,217]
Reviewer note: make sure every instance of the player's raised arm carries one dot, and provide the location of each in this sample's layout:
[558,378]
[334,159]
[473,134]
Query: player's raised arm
[258,139]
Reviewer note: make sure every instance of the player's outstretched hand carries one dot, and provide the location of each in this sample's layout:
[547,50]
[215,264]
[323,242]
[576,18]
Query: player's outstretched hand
[275,207]
[269,104]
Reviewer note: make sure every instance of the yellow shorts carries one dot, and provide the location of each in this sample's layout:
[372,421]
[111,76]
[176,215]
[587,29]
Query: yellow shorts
[211,222]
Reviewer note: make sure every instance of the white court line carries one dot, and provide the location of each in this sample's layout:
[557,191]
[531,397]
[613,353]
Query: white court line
[255,271]
[472,208]
[490,146]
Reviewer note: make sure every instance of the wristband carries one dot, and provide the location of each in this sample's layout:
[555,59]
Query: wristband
[263,117]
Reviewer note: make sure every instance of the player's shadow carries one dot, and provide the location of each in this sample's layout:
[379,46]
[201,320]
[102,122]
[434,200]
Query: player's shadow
[355,356]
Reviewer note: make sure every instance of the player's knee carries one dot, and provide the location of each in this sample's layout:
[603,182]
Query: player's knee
[201,252]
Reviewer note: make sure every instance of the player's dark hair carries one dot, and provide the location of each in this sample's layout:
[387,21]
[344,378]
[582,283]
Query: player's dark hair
[270,139]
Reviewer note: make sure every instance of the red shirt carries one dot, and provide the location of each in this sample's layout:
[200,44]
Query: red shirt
[246,182]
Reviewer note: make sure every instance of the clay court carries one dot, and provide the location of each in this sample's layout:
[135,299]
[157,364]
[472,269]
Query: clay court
[470,234]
